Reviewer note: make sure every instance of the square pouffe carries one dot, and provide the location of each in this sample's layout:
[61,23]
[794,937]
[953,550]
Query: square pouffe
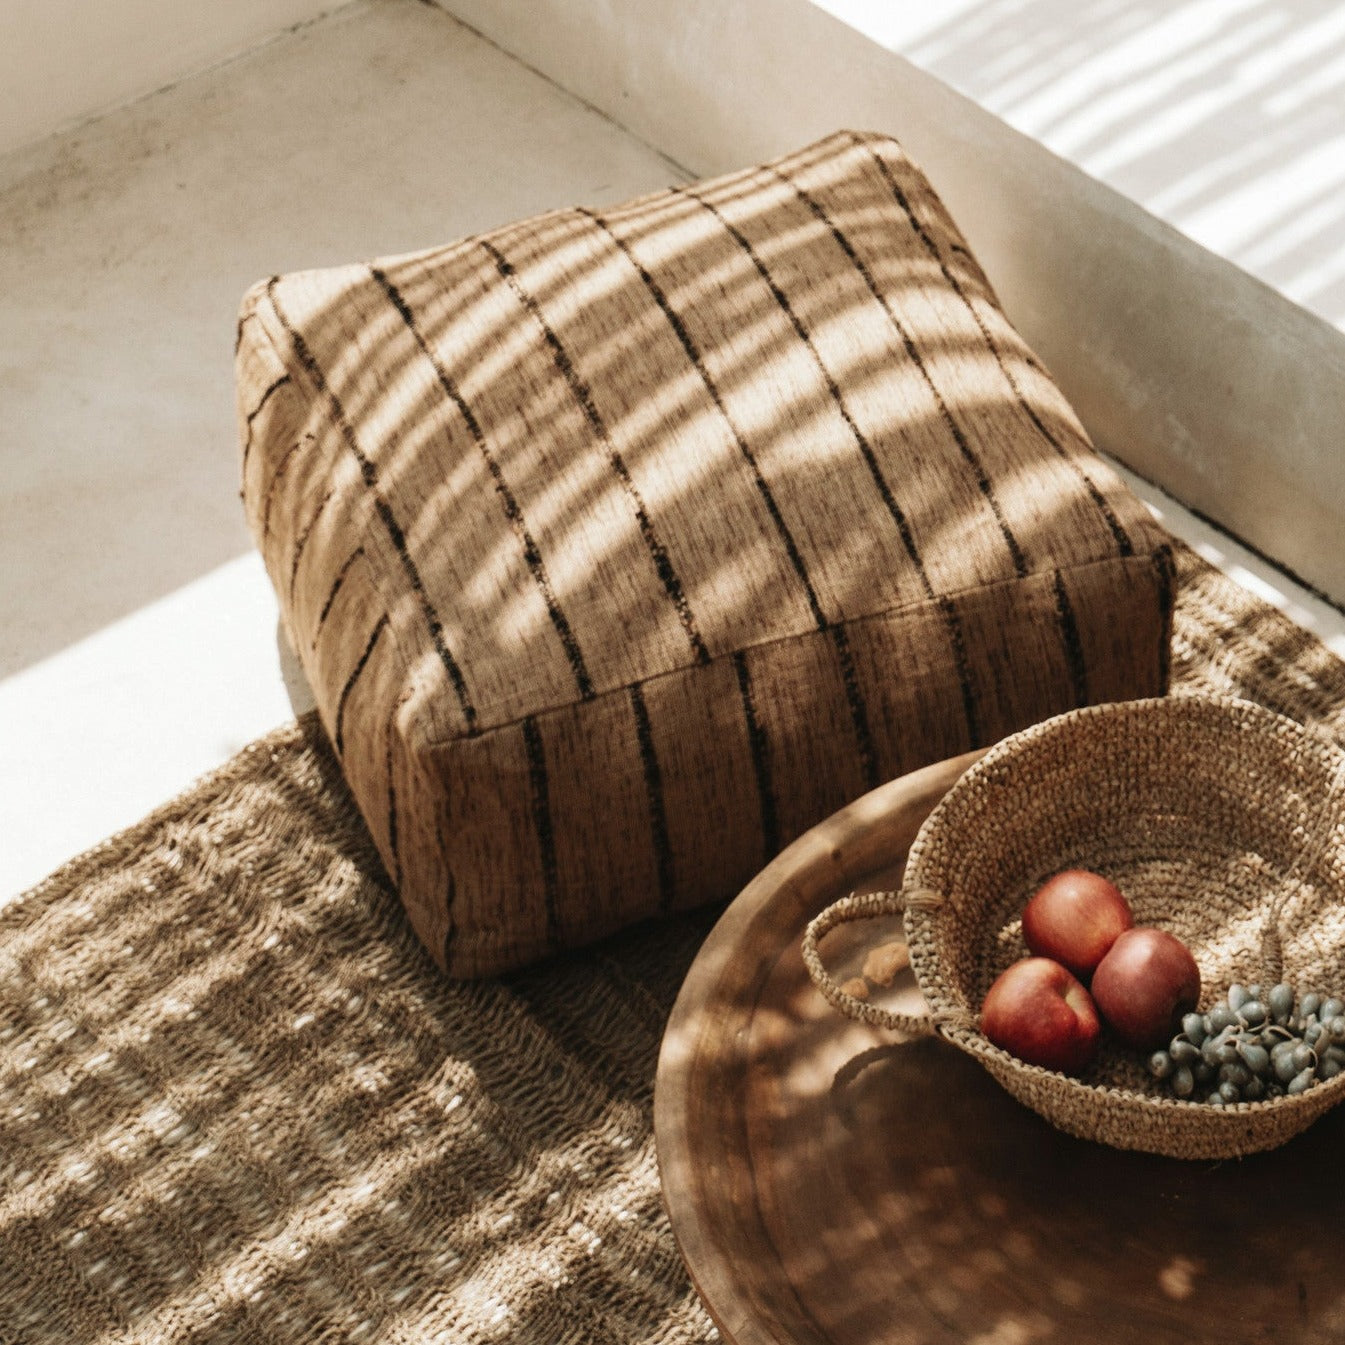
[619,548]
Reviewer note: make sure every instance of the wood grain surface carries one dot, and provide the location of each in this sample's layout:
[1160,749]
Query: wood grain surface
[828,1182]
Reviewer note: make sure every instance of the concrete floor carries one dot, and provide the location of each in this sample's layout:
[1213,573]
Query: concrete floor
[137,629]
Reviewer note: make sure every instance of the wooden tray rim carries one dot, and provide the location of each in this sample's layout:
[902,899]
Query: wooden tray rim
[867,835]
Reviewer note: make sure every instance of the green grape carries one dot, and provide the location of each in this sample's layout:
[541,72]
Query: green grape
[1161,1065]
[1254,1056]
[1300,1082]
[1254,1045]
[1282,1062]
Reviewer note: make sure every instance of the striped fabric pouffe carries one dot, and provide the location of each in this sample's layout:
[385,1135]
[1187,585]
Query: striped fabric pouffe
[621,548]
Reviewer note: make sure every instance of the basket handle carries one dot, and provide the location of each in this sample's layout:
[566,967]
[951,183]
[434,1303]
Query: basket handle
[846,911]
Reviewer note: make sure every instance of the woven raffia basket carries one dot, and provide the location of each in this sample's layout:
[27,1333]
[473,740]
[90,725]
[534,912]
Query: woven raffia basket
[1220,821]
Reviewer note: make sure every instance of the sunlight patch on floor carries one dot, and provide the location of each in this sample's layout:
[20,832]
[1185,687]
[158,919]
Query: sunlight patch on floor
[99,734]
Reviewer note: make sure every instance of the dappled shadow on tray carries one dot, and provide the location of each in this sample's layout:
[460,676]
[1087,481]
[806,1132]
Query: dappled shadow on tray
[994,1216]
[874,1189]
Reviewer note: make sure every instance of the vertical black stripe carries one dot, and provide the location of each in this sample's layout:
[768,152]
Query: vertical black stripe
[281,467]
[912,350]
[582,394]
[392,827]
[354,677]
[952,621]
[546,836]
[1165,564]
[653,783]
[388,769]
[335,589]
[252,415]
[859,714]
[693,354]
[451,933]
[1124,545]
[853,693]
[761,765]
[512,510]
[894,510]
[1069,634]
[302,540]
[385,514]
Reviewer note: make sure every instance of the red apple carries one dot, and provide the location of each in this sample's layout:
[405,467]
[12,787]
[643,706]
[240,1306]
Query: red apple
[1144,985]
[1075,918]
[1039,1012]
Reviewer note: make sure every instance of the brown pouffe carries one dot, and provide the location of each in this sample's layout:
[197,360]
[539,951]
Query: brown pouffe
[620,548]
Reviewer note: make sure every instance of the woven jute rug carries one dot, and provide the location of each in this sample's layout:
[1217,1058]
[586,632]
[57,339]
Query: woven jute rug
[238,1103]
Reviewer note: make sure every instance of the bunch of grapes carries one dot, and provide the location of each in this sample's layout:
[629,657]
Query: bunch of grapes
[1252,1047]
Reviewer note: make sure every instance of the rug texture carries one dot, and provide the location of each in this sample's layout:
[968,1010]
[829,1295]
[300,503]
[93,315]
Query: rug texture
[238,1102]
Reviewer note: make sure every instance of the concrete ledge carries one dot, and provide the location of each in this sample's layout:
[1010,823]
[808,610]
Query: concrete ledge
[1184,367]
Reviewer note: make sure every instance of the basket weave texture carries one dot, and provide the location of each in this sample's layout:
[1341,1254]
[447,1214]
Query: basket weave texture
[1219,820]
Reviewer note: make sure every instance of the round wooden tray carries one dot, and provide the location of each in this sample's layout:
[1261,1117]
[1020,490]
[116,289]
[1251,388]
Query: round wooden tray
[828,1182]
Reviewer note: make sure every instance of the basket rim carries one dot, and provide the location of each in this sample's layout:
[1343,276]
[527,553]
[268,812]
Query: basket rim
[1177,703]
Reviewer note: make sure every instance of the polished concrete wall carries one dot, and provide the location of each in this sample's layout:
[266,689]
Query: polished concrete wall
[1193,372]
